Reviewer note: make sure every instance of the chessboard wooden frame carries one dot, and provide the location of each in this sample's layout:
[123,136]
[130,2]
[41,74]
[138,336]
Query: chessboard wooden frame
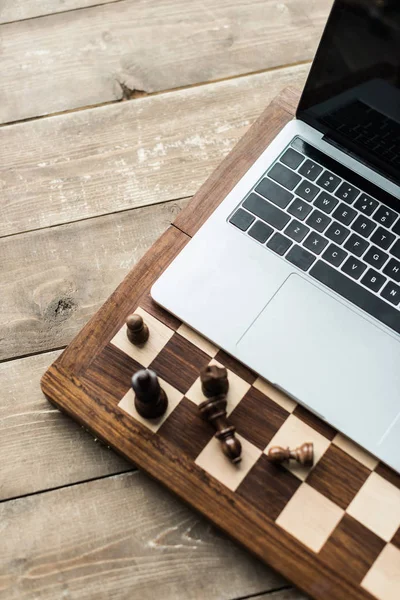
[65,386]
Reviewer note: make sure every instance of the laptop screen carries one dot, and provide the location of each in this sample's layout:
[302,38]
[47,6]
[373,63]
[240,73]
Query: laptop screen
[353,91]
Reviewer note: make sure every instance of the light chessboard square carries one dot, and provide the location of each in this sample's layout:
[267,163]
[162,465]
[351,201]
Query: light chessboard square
[310,517]
[197,340]
[383,579]
[377,506]
[128,405]
[160,335]
[276,395]
[212,460]
[293,433]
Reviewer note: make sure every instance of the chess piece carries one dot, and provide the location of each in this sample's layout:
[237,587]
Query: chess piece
[151,401]
[137,330]
[215,385]
[304,454]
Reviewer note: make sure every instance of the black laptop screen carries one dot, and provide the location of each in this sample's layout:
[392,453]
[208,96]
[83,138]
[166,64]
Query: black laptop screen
[353,90]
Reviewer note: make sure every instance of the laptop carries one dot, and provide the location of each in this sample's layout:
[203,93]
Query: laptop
[297,272]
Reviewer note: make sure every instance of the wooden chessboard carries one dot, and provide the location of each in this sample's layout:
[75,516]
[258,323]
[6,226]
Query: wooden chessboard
[333,529]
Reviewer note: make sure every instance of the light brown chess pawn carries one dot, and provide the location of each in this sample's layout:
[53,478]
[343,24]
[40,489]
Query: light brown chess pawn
[304,454]
[137,330]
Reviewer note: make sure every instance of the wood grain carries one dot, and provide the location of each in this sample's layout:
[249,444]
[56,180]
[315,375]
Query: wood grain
[40,448]
[105,53]
[70,272]
[120,537]
[17,10]
[127,155]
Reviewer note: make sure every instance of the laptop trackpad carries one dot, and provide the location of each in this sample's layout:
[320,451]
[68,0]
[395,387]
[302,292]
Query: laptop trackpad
[328,357]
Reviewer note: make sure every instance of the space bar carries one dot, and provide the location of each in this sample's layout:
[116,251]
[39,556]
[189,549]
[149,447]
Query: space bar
[357,295]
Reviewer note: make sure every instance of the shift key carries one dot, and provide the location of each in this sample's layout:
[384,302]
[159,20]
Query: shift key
[266,211]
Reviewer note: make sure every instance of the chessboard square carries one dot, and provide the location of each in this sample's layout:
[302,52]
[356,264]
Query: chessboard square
[351,549]
[383,579]
[274,394]
[215,463]
[293,433]
[237,389]
[186,429]
[174,398]
[315,422]
[396,539]
[197,340]
[159,336]
[179,363]
[268,487]
[310,517]
[354,450]
[257,418]
[235,366]
[338,476]
[377,506]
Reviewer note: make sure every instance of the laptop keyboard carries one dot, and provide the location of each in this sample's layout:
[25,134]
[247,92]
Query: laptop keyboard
[340,235]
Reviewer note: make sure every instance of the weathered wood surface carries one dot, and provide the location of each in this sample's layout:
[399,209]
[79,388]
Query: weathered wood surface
[116,538]
[104,53]
[127,155]
[71,271]
[39,447]
[17,10]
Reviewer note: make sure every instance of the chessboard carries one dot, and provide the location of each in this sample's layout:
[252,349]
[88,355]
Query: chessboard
[333,528]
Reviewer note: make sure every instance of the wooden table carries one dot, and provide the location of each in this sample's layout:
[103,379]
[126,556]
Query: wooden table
[113,112]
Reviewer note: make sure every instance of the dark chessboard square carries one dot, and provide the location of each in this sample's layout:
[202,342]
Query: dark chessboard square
[388,474]
[179,363]
[396,539]
[315,422]
[155,310]
[257,418]
[186,429]
[338,476]
[235,366]
[351,549]
[112,370]
[268,487]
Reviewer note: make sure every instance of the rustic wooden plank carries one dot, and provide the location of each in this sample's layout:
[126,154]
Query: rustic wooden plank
[127,155]
[104,53]
[119,537]
[17,10]
[54,279]
[40,448]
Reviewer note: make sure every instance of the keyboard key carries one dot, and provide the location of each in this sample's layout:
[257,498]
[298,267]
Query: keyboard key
[353,292]
[297,231]
[310,170]
[393,269]
[334,255]
[366,204]
[337,232]
[279,243]
[317,220]
[376,257]
[363,226]
[299,209]
[292,159]
[345,214]
[270,190]
[284,176]
[329,181]
[326,202]
[266,211]
[242,219]
[300,258]
[382,238]
[373,280]
[356,245]
[354,267]
[315,242]
[391,292]
[307,190]
[395,250]
[347,192]
[385,216]
[261,232]
[396,228]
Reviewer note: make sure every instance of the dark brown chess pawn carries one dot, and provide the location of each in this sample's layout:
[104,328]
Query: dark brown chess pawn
[151,401]
[137,330]
[304,454]
[215,385]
